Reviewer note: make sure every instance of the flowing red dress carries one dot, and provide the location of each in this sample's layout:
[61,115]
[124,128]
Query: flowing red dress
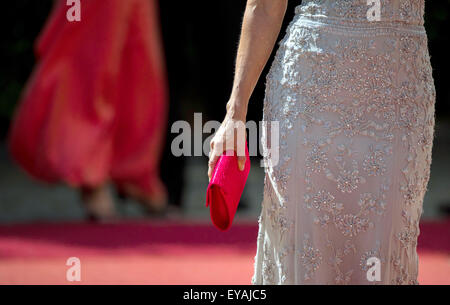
[95,108]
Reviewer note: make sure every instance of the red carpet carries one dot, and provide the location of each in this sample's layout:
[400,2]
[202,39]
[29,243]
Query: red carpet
[162,253]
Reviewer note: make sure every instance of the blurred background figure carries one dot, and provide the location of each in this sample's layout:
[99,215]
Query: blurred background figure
[94,109]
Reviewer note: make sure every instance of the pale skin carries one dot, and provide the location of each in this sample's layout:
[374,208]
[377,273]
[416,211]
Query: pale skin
[260,29]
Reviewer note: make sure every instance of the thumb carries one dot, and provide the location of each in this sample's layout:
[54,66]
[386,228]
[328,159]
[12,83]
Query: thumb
[241,162]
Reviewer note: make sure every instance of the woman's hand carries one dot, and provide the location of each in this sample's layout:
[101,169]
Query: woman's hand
[231,136]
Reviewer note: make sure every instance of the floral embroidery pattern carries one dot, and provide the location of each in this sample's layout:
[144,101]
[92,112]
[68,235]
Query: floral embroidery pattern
[374,163]
[355,106]
[337,258]
[310,258]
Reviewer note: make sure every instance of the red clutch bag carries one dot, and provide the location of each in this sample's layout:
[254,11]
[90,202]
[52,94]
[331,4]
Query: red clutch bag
[225,189]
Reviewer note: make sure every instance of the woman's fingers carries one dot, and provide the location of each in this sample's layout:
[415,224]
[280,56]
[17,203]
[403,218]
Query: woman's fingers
[240,144]
[213,157]
[211,152]
[241,162]
[211,164]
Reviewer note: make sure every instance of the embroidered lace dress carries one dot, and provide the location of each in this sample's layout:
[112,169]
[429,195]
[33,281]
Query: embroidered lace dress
[355,104]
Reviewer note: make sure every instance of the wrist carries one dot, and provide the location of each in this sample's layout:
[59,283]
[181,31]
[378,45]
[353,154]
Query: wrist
[236,110]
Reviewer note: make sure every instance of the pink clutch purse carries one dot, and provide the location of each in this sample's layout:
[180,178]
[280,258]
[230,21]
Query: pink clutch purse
[225,189]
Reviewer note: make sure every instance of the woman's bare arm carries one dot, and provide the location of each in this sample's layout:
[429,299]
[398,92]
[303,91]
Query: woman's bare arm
[260,29]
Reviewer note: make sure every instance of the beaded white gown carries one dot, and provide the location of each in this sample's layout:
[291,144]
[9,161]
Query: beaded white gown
[355,104]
